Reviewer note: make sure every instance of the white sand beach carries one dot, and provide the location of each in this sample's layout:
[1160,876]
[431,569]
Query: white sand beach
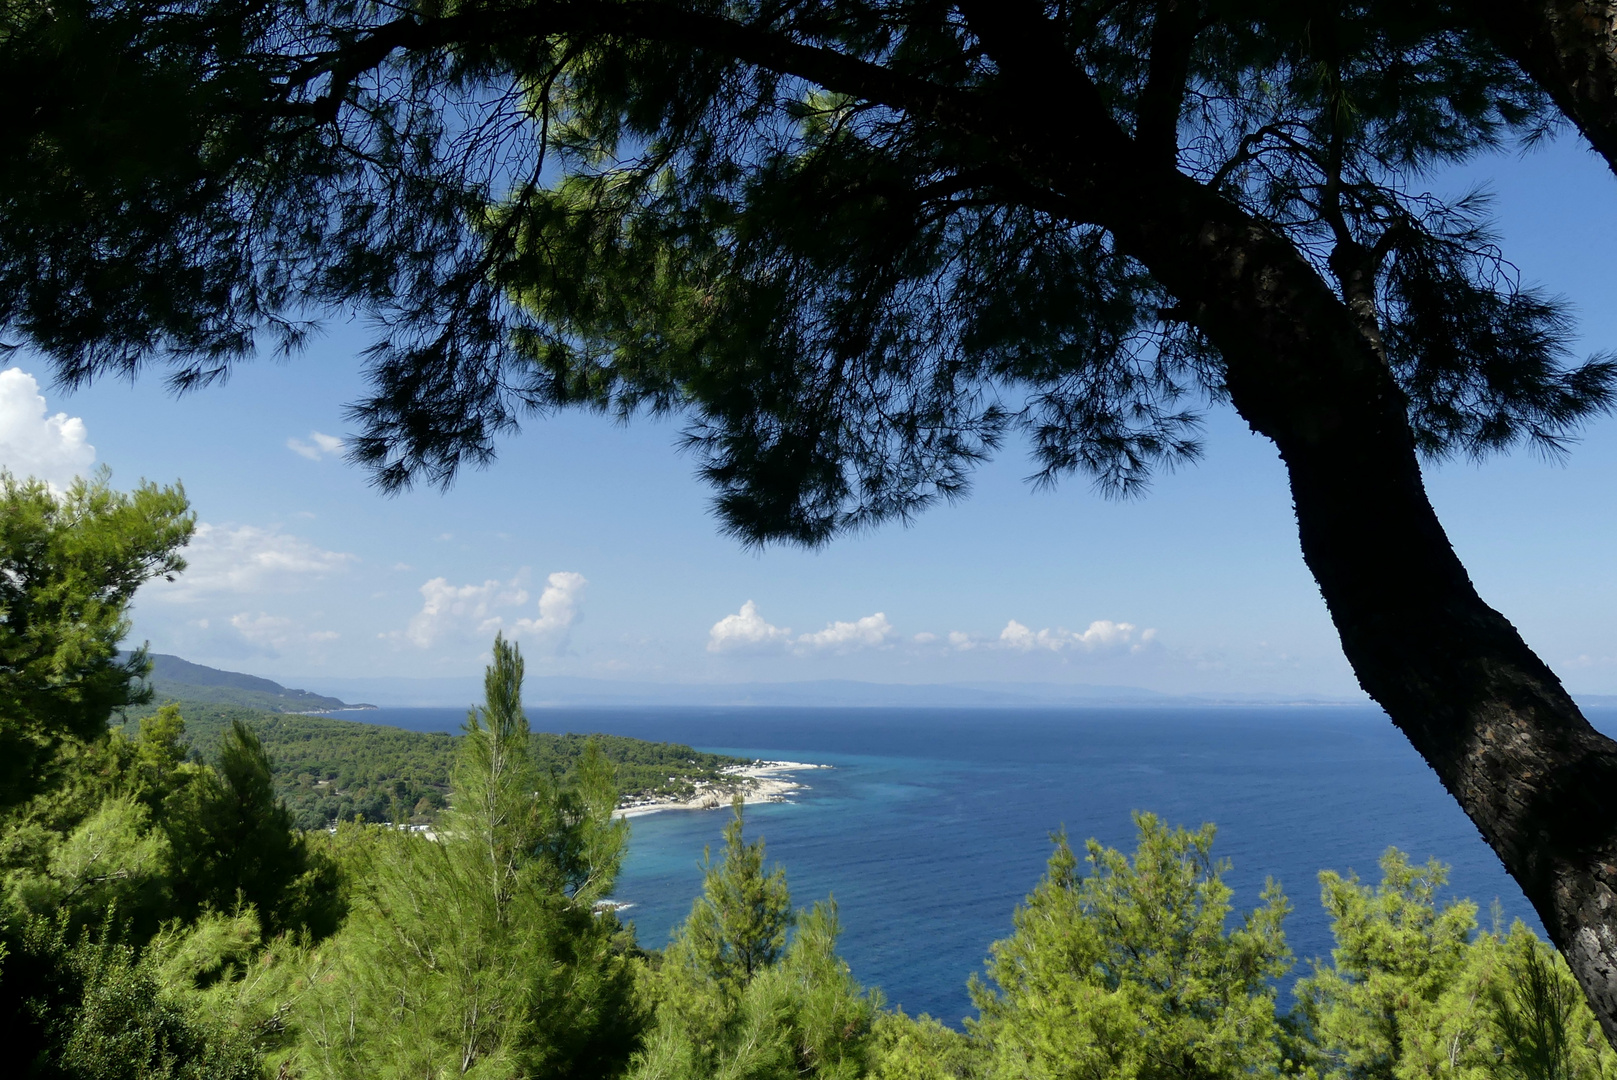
[760,782]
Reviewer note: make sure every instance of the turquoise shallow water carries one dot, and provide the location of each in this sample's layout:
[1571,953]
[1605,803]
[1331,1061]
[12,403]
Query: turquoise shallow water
[934,823]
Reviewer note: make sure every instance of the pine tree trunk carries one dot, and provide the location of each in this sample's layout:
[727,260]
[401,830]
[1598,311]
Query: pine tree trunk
[1491,719]
[1569,48]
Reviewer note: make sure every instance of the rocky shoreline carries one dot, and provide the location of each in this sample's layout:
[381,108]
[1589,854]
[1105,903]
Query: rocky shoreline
[759,782]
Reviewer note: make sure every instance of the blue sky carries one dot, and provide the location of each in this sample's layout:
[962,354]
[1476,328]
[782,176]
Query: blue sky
[593,545]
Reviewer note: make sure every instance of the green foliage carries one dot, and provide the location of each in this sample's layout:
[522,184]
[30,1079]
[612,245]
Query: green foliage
[1415,992]
[328,770]
[832,234]
[920,1049]
[1541,1020]
[1129,971]
[1396,955]
[480,950]
[738,928]
[734,1000]
[643,768]
[153,836]
[237,845]
[69,566]
[106,833]
[87,1007]
[114,860]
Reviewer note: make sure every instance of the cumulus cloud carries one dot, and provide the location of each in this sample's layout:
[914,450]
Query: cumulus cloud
[455,609]
[319,446]
[1101,634]
[748,631]
[226,560]
[474,611]
[34,443]
[868,632]
[558,606]
[745,631]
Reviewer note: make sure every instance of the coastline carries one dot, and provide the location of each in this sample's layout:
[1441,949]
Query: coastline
[760,782]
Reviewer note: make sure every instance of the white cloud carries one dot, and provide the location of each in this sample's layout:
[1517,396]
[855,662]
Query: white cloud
[925,638]
[262,634]
[748,631]
[1101,634]
[869,632]
[247,559]
[558,606]
[460,612]
[456,609]
[319,446]
[961,640]
[745,632]
[54,449]
[262,629]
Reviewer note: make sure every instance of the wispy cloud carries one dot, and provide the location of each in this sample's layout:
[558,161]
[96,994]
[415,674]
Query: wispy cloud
[319,446]
[246,559]
[1102,635]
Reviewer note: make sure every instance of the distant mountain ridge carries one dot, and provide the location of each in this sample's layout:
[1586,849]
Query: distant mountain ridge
[173,678]
[563,691]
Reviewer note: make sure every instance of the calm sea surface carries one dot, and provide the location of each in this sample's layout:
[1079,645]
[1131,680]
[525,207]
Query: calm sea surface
[934,823]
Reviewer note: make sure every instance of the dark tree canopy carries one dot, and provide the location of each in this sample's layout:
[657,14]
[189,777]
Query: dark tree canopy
[854,243]
[809,228]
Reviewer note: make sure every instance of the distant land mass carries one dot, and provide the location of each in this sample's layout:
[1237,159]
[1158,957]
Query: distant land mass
[567,691]
[183,680]
[180,680]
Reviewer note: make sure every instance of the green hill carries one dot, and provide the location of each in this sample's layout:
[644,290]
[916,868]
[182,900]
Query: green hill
[174,679]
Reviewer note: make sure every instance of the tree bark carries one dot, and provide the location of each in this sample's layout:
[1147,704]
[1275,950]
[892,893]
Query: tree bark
[1569,48]
[1485,712]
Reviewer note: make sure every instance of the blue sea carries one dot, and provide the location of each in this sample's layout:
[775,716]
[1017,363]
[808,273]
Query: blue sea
[934,823]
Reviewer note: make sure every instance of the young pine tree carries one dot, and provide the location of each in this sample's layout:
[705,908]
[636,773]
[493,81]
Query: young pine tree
[1129,971]
[235,845]
[738,928]
[735,1001]
[479,951]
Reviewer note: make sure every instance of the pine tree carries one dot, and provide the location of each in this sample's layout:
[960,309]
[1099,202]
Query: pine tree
[235,845]
[481,949]
[738,928]
[735,1000]
[69,566]
[1129,970]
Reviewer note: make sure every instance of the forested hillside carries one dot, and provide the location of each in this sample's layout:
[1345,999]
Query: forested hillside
[174,679]
[331,770]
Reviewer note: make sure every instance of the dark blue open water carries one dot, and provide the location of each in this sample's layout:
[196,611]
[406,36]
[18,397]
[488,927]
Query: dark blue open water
[934,823]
